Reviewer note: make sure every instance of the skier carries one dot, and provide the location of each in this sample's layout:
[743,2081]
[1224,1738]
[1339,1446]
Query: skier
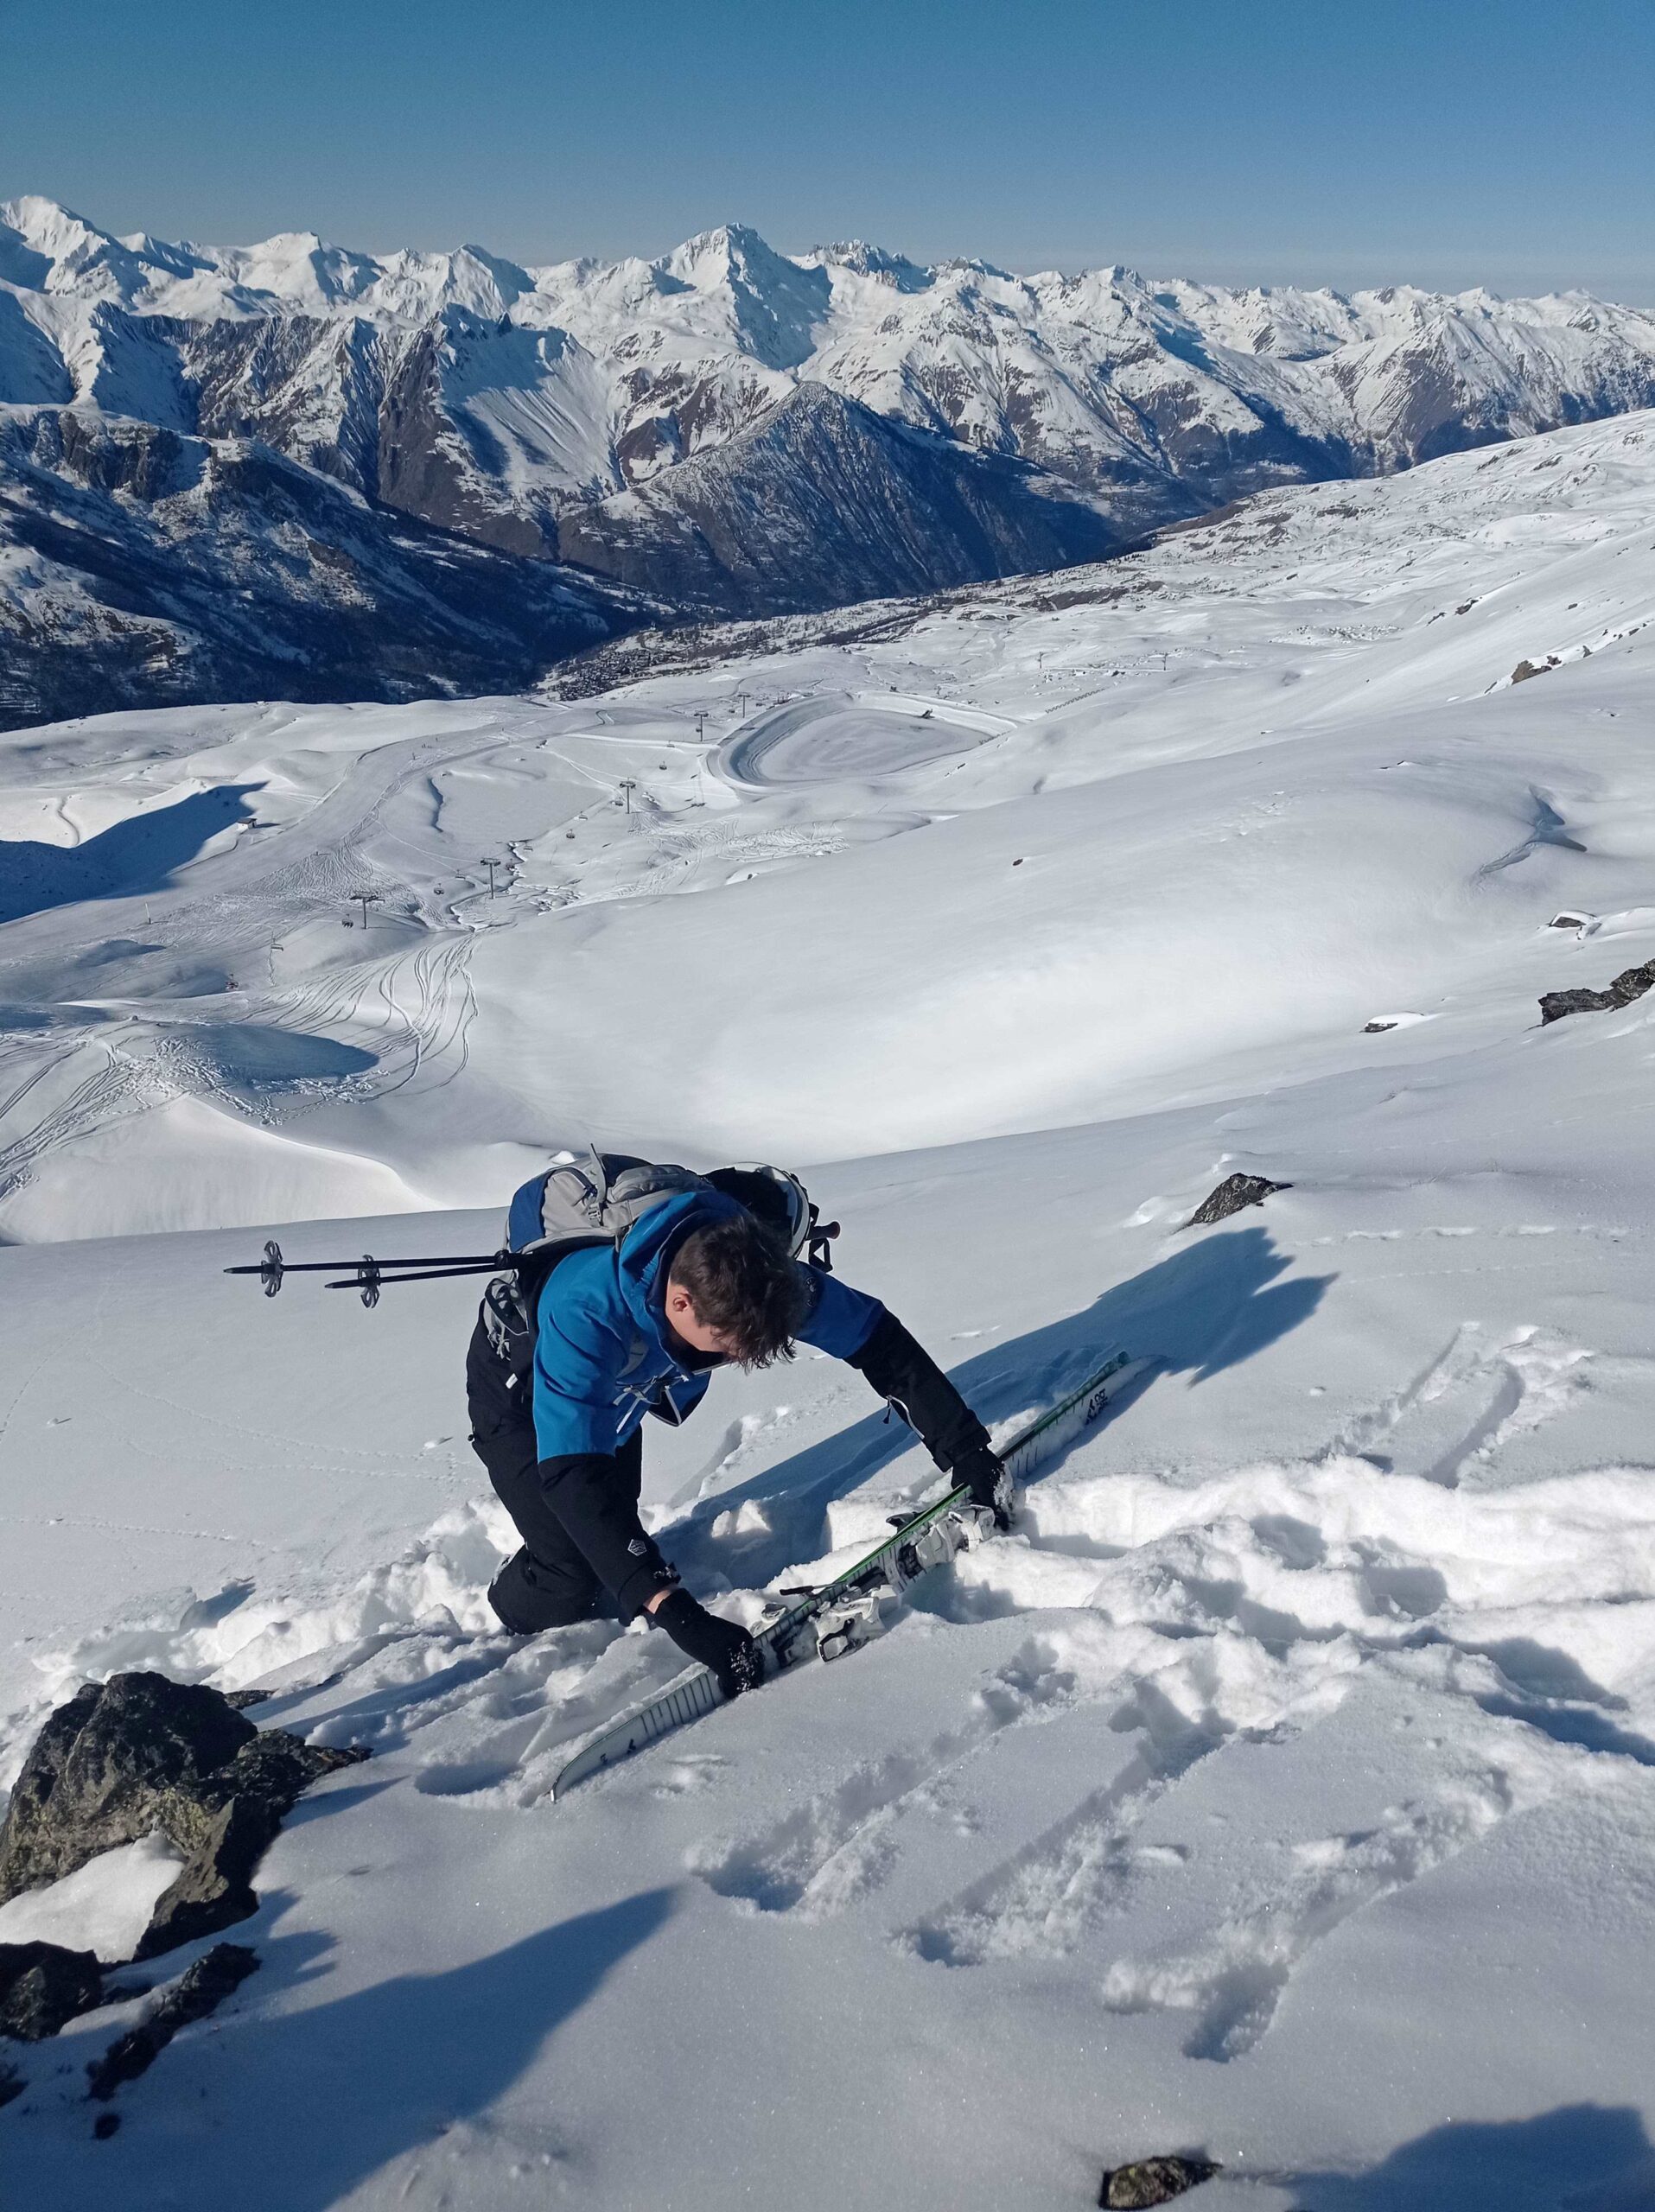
[636,1327]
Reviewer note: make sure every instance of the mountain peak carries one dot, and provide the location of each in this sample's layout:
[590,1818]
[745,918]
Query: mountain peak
[865,260]
[775,303]
[46,224]
[44,247]
[726,250]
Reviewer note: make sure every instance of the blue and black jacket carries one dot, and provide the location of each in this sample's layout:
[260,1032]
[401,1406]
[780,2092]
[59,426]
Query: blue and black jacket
[606,1355]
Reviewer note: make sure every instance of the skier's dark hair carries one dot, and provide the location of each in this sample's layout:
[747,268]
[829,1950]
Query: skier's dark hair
[742,1282]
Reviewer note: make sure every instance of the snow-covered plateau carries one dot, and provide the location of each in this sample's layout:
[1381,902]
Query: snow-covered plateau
[1282,1787]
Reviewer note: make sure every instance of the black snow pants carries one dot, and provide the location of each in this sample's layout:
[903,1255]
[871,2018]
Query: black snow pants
[547,1583]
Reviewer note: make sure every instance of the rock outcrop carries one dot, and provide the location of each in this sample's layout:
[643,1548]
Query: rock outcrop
[1152,2181]
[199,1989]
[1231,1195]
[138,1753]
[43,1984]
[1631,983]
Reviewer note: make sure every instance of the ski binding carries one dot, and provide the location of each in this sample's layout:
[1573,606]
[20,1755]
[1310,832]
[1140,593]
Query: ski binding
[846,1613]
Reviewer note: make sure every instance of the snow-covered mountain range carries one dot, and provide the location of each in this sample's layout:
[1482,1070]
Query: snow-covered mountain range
[848,422]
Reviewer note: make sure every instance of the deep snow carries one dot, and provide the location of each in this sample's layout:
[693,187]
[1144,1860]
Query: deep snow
[1283,1785]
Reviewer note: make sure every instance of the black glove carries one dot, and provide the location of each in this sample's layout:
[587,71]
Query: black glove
[728,1650]
[983,1473]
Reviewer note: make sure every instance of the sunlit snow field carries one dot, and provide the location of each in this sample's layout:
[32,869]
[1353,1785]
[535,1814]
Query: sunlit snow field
[1284,1785]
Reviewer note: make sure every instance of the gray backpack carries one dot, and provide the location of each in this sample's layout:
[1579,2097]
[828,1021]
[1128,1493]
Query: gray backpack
[597,1198]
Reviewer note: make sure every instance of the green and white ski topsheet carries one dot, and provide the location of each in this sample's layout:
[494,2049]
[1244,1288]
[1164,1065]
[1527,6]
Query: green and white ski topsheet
[920,1543]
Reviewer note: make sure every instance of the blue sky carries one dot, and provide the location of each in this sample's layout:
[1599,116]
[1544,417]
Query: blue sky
[1465,142]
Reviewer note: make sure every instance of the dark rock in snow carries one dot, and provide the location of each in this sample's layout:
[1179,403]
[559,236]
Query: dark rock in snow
[41,1986]
[213,1889]
[105,2125]
[1377,1028]
[12,2084]
[1152,2181]
[100,1769]
[141,1752]
[1630,984]
[199,1989]
[1231,1195]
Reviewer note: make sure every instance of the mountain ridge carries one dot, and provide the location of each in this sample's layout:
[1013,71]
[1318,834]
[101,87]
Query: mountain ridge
[545,413]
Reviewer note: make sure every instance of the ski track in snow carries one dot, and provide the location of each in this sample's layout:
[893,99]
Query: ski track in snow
[1183,1642]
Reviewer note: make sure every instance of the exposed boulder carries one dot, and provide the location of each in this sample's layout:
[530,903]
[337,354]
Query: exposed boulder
[42,1985]
[1152,2181]
[103,1771]
[141,1752]
[213,1888]
[199,1989]
[1630,984]
[1231,1195]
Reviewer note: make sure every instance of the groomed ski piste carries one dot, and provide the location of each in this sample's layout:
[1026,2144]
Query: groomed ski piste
[1282,1786]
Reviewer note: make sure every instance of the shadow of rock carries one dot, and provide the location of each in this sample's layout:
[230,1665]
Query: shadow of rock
[309,2101]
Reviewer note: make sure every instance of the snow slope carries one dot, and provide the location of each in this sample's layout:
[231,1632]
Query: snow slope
[1293,737]
[1283,1784]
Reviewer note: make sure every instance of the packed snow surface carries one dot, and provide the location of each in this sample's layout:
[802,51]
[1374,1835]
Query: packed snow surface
[1283,1786]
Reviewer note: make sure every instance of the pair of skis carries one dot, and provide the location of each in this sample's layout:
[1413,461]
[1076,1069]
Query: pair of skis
[847,1612]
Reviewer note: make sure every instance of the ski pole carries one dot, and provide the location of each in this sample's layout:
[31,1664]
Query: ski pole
[273,1267]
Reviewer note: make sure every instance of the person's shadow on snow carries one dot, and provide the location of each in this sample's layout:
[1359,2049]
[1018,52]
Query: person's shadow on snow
[1584,2157]
[1206,1307]
[304,2102]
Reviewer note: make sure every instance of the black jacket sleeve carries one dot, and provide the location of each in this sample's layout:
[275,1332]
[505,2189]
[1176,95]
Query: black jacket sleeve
[586,1491]
[901,1370]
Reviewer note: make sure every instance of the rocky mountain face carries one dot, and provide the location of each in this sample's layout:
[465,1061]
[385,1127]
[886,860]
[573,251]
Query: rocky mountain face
[820,503]
[759,433]
[140,567]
